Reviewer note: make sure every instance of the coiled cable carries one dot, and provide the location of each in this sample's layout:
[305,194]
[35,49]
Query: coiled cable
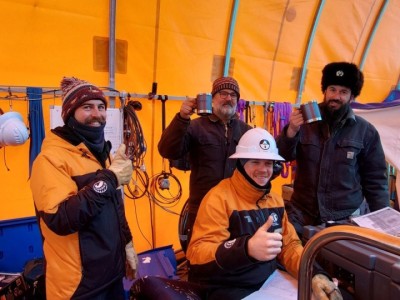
[136,150]
[165,190]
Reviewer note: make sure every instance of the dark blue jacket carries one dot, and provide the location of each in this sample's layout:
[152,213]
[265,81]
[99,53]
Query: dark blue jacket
[336,170]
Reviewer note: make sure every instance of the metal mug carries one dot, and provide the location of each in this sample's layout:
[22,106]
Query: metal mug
[204,104]
[310,112]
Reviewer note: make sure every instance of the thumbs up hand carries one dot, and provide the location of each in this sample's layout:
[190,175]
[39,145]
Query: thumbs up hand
[264,245]
[121,165]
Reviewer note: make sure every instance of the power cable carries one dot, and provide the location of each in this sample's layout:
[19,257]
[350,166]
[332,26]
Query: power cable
[165,190]
[136,150]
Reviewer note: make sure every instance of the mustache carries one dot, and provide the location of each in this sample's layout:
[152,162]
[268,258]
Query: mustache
[229,102]
[334,101]
[101,120]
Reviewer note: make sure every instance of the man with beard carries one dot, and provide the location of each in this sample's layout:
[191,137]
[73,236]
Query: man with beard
[76,187]
[340,164]
[208,141]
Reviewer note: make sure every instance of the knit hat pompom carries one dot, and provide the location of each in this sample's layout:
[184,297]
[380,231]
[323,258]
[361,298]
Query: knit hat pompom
[75,92]
[344,74]
[225,83]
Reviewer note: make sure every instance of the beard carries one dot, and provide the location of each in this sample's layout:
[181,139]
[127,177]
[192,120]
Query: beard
[225,111]
[334,115]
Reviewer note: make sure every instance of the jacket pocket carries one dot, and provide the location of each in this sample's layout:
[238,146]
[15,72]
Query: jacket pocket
[310,149]
[347,151]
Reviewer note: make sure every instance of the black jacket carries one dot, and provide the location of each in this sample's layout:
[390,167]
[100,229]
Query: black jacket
[209,144]
[336,170]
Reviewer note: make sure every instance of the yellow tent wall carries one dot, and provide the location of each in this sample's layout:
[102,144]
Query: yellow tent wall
[182,46]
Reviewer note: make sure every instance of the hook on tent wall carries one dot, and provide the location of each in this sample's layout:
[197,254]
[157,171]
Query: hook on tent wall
[10,97]
[153,92]
[271,106]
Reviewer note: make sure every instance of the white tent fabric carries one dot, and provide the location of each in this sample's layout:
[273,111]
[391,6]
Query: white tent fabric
[387,122]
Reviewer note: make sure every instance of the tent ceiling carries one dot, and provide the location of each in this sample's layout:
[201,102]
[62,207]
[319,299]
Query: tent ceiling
[276,48]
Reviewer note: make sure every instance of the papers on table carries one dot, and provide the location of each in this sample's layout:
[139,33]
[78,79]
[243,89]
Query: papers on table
[280,285]
[386,220]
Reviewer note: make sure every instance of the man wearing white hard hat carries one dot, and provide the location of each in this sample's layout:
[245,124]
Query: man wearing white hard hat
[242,231]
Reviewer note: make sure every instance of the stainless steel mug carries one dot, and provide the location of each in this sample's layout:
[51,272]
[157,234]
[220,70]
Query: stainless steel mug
[204,104]
[310,112]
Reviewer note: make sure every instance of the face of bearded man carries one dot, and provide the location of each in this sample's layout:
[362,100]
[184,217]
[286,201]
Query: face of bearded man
[224,106]
[91,113]
[337,101]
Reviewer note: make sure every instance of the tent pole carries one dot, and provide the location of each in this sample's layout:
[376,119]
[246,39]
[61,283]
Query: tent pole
[307,53]
[111,50]
[230,37]
[372,33]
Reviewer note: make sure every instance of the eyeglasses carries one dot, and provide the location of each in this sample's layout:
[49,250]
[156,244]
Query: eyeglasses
[225,95]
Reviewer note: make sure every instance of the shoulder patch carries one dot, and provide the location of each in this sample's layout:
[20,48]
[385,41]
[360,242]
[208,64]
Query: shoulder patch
[100,187]
[229,244]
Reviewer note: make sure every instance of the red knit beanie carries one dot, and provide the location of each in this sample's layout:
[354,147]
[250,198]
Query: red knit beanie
[225,83]
[75,92]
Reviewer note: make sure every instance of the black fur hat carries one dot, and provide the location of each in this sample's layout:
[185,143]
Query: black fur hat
[345,74]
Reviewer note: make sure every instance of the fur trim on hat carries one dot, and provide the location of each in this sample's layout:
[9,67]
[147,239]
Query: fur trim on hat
[225,83]
[75,92]
[344,74]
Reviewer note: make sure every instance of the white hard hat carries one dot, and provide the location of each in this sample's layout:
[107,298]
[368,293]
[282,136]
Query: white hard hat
[13,131]
[257,143]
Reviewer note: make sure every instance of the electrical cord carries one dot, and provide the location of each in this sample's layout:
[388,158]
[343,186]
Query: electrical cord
[133,134]
[151,244]
[165,190]
[136,150]
[139,184]
[133,138]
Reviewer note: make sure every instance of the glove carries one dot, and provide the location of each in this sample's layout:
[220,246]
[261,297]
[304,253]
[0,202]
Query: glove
[131,259]
[324,289]
[121,166]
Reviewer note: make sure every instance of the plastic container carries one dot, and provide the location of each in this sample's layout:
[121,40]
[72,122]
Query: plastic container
[158,262]
[20,241]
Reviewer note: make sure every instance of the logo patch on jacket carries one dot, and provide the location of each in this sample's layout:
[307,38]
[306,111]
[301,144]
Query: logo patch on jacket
[229,244]
[100,187]
[275,219]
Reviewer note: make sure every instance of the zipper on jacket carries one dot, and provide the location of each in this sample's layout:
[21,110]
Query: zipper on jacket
[264,217]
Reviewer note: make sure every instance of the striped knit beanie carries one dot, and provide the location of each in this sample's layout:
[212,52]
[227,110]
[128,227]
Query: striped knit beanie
[225,83]
[75,92]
